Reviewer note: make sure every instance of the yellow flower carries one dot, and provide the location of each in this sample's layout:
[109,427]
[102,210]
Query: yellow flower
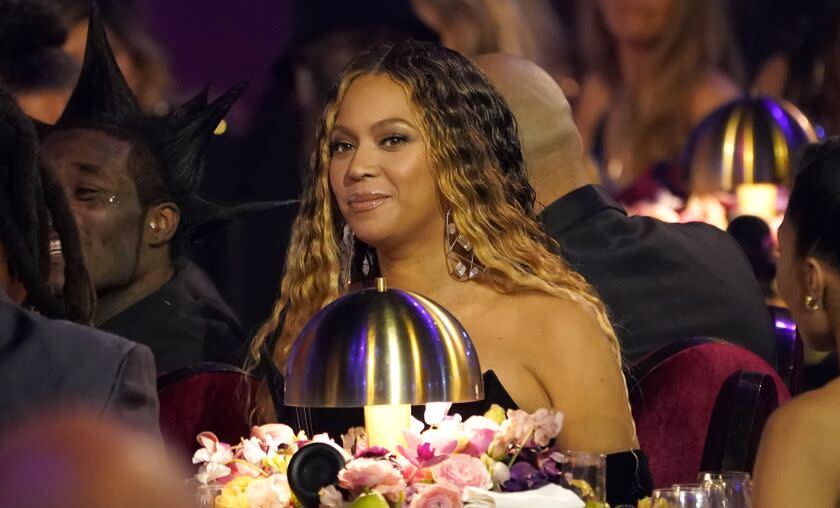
[496,413]
[233,495]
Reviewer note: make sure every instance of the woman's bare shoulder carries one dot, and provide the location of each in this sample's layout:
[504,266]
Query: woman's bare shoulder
[807,424]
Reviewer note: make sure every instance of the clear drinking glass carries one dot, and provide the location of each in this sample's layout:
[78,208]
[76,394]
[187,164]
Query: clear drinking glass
[735,485]
[205,495]
[587,471]
[680,497]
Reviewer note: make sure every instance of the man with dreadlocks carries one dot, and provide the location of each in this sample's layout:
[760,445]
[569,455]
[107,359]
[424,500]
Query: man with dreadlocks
[131,181]
[44,362]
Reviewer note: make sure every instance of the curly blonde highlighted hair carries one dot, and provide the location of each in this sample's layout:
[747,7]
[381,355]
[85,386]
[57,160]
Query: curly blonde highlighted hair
[476,160]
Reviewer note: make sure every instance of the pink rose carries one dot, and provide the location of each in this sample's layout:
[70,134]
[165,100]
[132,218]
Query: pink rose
[378,475]
[436,495]
[463,471]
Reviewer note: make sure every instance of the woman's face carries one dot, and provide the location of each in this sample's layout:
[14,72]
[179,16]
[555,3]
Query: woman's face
[636,22]
[792,276]
[379,172]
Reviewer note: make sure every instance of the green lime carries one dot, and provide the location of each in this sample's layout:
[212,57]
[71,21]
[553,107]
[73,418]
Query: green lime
[372,500]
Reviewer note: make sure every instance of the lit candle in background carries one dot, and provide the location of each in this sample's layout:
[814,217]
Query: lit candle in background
[385,424]
[758,199]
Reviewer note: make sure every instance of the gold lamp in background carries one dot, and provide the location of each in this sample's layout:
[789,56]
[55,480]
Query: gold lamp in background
[384,349]
[750,140]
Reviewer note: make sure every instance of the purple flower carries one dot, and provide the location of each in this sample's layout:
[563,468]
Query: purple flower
[548,461]
[524,476]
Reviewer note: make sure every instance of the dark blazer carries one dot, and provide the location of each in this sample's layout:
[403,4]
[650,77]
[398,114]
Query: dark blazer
[47,364]
[661,282]
[184,322]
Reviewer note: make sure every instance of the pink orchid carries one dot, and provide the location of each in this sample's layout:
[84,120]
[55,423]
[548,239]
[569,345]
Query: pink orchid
[481,431]
[424,455]
[437,495]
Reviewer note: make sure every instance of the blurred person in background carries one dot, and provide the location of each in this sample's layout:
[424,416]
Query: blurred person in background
[34,66]
[756,240]
[138,57]
[805,66]
[528,28]
[655,69]
[73,460]
[797,459]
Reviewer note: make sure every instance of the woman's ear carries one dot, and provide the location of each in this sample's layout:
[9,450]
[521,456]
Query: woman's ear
[814,278]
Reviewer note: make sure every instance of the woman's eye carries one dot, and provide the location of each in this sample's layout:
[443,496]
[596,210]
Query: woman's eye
[340,147]
[394,140]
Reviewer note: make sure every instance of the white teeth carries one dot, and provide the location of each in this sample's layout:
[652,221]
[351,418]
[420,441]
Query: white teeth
[55,246]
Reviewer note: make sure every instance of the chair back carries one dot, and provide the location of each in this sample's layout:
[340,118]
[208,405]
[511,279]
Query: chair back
[204,397]
[789,349]
[741,410]
[673,393]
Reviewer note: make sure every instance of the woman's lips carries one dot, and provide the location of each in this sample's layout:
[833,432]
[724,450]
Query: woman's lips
[362,202]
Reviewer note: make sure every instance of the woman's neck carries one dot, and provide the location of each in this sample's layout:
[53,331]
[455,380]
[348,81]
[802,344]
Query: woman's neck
[634,61]
[422,269]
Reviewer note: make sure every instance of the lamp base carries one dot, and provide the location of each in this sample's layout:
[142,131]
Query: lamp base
[385,425]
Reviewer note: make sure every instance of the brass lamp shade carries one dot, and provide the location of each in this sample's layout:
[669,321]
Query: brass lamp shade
[382,346]
[748,140]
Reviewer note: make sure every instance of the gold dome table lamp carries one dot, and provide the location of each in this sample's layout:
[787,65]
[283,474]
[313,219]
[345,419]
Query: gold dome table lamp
[384,349]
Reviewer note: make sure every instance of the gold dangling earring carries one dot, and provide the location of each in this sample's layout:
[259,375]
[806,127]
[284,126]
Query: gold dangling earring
[811,304]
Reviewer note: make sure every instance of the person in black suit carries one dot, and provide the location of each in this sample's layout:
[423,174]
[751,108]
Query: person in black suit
[49,363]
[661,282]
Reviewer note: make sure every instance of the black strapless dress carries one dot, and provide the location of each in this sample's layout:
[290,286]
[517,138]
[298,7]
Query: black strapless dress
[628,474]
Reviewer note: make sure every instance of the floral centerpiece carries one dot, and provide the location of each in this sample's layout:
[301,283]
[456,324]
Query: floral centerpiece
[444,462]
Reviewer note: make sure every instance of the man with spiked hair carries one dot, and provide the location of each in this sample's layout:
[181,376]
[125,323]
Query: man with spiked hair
[131,181]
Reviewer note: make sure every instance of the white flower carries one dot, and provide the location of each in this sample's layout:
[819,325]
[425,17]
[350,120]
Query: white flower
[331,498]
[354,440]
[271,492]
[500,473]
[211,471]
[436,412]
[416,425]
[252,451]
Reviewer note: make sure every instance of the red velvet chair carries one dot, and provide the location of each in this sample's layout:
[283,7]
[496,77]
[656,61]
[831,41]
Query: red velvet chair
[789,349]
[673,392]
[204,397]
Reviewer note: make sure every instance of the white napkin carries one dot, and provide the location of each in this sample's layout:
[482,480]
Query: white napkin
[547,495]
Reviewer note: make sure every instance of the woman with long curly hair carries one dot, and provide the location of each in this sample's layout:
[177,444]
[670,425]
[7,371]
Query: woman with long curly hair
[416,147]
[655,69]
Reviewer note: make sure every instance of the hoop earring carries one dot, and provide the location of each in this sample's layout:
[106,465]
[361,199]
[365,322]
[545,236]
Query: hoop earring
[462,263]
[811,304]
